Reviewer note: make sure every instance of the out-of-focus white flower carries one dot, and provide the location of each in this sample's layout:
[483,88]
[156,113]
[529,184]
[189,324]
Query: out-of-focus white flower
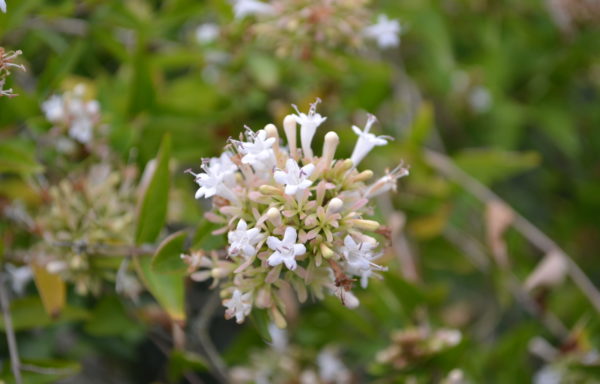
[286,250]
[243,8]
[279,339]
[294,178]
[239,306]
[386,32]
[309,122]
[207,33]
[331,368]
[548,375]
[19,277]
[258,151]
[243,240]
[3,6]
[480,99]
[72,111]
[54,109]
[366,141]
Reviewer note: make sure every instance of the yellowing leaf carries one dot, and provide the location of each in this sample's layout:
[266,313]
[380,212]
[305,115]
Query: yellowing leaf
[52,290]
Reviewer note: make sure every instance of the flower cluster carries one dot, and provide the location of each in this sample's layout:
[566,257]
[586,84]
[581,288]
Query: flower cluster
[73,113]
[301,26]
[288,363]
[293,219]
[412,346]
[83,216]
[6,65]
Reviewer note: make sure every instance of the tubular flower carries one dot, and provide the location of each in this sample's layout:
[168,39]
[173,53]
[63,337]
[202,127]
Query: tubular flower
[291,220]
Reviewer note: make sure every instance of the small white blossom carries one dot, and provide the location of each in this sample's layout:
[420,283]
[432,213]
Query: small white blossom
[366,141]
[309,122]
[286,250]
[239,306]
[3,6]
[296,178]
[386,32]
[243,8]
[359,258]
[243,240]
[386,183]
[207,33]
[258,152]
[219,174]
[19,277]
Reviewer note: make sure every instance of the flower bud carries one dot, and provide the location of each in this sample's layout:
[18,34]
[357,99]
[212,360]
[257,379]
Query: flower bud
[335,205]
[367,225]
[289,126]
[269,190]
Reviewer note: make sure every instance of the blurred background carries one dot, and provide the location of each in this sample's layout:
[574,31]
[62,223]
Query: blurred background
[494,237]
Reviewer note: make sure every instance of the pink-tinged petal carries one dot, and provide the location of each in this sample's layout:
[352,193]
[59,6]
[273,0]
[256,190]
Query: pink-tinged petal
[291,189]
[275,259]
[299,249]
[290,236]
[273,242]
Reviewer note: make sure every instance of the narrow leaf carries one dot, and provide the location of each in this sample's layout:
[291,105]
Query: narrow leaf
[154,196]
[167,258]
[52,290]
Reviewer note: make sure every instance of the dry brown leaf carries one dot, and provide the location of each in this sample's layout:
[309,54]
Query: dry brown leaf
[549,272]
[498,217]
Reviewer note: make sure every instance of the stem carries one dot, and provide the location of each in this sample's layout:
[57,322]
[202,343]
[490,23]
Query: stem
[535,236]
[10,333]
[202,328]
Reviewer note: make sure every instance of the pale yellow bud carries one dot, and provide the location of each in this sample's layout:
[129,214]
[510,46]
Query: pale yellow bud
[289,126]
[335,205]
[326,251]
[367,225]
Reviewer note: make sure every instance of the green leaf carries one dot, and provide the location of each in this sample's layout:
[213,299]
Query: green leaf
[28,313]
[17,158]
[260,319]
[169,290]
[493,165]
[57,370]
[181,362]
[152,208]
[110,319]
[167,258]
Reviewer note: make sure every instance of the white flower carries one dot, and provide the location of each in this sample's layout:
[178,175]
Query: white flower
[358,257]
[286,250]
[331,368]
[19,277]
[54,109]
[279,338]
[258,152]
[207,33]
[243,240]
[385,31]
[243,8]
[296,178]
[239,306]
[219,175]
[480,99]
[387,182]
[309,122]
[366,141]
[3,6]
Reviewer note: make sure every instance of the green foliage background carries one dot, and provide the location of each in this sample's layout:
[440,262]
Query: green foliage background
[537,147]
